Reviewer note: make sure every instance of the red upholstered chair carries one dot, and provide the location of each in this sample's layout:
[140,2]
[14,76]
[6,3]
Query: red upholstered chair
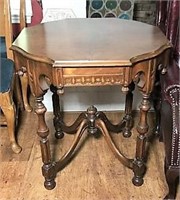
[168,21]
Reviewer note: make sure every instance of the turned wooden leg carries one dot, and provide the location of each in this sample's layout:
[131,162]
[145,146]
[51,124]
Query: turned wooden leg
[9,111]
[24,85]
[57,114]
[43,132]
[142,128]
[128,111]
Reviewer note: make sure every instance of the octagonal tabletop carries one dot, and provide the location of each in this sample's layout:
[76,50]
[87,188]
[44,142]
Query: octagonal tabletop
[91,42]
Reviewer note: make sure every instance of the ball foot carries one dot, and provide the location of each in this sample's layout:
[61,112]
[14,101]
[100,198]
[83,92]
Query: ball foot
[49,184]
[59,134]
[137,181]
[126,133]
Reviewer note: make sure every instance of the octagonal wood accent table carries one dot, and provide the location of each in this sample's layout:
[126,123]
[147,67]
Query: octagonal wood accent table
[91,52]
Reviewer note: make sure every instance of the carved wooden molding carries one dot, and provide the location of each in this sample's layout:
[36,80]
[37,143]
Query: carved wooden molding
[93,80]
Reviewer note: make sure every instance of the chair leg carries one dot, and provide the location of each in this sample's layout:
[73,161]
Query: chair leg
[171,177]
[24,85]
[9,111]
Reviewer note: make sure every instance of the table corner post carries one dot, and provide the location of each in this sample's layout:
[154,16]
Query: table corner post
[48,168]
[139,167]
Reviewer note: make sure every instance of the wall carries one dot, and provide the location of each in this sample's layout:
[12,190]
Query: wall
[108,98]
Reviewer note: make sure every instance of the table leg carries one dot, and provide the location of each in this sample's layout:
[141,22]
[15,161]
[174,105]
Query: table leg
[57,113]
[43,132]
[142,128]
[128,111]
[156,97]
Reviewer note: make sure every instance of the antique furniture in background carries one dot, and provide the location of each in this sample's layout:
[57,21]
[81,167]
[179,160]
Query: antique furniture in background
[168,21]
[31,14]
[122,9]
[9,81]
[36,18]
[145,11]
[75,54]
[57,10]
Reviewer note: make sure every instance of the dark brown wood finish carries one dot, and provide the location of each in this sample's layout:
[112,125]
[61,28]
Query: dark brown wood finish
[92,52]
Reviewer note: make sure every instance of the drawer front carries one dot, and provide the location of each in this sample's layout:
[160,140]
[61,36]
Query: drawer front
[67,77]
